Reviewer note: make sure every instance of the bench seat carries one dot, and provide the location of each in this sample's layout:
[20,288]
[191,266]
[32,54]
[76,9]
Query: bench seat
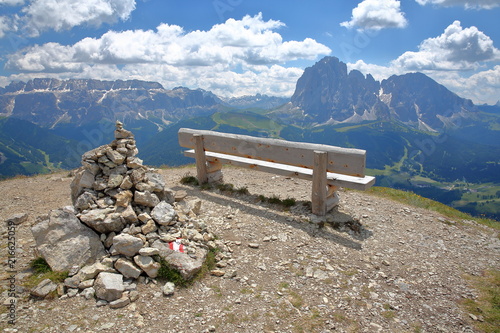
[335,179]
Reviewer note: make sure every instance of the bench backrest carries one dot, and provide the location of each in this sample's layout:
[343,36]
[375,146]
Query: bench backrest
[345,161]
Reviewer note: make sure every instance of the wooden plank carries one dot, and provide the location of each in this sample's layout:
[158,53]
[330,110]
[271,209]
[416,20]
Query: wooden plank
[335,179]
[340,160]
[201,162]
[319,183]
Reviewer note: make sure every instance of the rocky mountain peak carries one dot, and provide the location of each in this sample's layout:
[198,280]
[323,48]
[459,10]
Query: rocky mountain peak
[327,92]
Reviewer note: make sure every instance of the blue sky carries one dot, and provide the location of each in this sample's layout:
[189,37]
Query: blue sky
[240,47]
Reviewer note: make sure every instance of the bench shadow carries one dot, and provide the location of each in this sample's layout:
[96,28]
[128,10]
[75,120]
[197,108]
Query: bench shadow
[337,221]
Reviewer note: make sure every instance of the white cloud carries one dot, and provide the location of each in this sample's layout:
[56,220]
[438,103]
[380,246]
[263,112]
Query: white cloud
[455,49]
[5,25]
[233,58]
[448,59]
[42,15]
[469,4]
[377,15]
[11,2]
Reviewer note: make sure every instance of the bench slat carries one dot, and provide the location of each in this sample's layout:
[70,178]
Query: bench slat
[345,161]
[357,183]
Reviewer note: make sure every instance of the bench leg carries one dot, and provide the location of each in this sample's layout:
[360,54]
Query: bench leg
[319,192]
[214,171]
[201,161]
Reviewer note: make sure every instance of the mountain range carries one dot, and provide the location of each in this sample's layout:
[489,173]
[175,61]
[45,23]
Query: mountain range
[419,135]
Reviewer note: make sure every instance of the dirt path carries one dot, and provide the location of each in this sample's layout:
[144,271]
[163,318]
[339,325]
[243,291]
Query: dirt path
[403,272]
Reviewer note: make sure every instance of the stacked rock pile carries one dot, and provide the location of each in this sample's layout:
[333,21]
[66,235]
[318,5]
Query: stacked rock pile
[123,221]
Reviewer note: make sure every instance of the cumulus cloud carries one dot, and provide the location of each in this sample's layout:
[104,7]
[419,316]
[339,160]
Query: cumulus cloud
[5,25]
[456,49]
[469,4]
[43,15]
[377,15]
[238,56]
[446,59]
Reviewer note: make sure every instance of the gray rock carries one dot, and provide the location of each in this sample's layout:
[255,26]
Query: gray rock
[86,284]
[72,292]
[186,265]
[115,157]
[88,293]
[163,213]
[119,303]
[134,162]
[137,175]
[17,218]
[44,288]
[146,198]
[124,198]
[82,180]
[127,268]
[168,289]
[156,181]
[109,286]
[128,215]
[126,183]
[148,265]
[103,220]
[115,180]
[85,201]
[149,251]
[63,241]
[127,245]
[150,226]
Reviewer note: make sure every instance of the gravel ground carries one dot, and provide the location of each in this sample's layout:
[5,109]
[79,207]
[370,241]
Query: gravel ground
[399,269]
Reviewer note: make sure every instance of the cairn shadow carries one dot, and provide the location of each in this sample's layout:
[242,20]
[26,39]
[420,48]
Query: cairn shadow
[338,221]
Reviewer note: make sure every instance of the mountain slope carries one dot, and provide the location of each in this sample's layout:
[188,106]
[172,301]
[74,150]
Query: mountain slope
[27,149]
[50,102]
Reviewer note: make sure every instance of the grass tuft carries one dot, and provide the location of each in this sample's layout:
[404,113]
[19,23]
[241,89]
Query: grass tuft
[487,305]
[189,180]
[43,271]
[416,200]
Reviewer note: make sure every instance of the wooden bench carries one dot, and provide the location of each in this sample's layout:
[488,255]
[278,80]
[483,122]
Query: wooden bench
[328,167]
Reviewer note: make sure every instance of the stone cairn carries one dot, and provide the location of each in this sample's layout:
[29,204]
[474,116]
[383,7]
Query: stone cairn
[123,219]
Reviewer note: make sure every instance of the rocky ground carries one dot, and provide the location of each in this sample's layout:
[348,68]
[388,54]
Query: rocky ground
[401,269]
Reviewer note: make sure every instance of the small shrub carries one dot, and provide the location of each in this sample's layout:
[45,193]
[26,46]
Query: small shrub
[225,187]
[289,202]
[189,180]
[40,266]
[242,190]
[274,200]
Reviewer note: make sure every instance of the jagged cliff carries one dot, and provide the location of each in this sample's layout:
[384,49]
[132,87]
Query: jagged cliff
[328,93]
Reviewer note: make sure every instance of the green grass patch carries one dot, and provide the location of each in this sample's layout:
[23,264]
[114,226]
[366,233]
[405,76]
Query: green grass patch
[42,271]
[487,305]
[189,180]
[412,199]
[170,274]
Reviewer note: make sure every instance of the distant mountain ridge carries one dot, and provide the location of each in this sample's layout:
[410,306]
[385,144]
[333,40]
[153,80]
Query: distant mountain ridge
[50,102]
[328,93]
[257,101]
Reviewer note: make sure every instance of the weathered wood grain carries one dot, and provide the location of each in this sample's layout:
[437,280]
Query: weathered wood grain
[345,161]
[335,179]
[319,183]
